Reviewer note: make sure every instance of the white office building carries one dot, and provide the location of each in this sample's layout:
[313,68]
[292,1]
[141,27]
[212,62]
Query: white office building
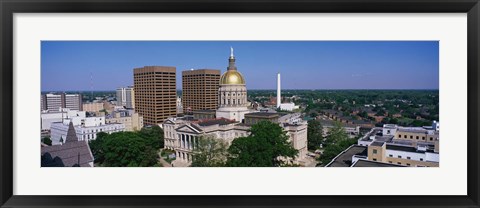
[86,128]
[126,97]
[48,118]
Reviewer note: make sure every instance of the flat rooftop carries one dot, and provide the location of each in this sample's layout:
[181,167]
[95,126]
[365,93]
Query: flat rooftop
[374,132]
[220,121]
[405,148]
[344,159]
[368,163]
[377,144]
[419,130]
[387,138]
[262,114]
[204,111]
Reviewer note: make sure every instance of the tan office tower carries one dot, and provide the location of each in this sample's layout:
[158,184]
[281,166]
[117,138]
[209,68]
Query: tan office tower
[200,89]
[155,93]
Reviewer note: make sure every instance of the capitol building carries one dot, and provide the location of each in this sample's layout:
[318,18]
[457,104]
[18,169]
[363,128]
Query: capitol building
[231,119]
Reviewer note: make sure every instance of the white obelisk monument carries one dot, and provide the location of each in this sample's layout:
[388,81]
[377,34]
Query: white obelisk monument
[279,96]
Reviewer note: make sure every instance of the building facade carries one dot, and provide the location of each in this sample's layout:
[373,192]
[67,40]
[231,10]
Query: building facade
[73,101]
[400,146]
[200,89]
[85,128]
[179,105]
[402,155]
[297,134]
[93,107]
[132,121]
[126,97]
[253,118]
[232,93]
[181,135]
[54,102]
[204,114]
[48,118]
[155,93]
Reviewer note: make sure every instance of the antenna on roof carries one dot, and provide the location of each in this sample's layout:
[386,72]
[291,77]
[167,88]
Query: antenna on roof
[91,87]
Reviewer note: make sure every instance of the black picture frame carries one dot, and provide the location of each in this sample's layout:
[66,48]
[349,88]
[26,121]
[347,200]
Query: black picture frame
[10,7]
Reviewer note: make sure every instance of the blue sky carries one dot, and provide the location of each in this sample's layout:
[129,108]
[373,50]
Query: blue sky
[67,65]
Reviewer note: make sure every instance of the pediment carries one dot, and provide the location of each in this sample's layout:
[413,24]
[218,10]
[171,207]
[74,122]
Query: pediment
[187,129]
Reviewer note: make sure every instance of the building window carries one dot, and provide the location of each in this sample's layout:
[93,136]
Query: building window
[399,136]
[399,156]
[417,137]
[408,164]
[389,161]
[409,158]
[421,159]
[374,159]
[399,163]
[374,151]
[423,138]
[411,137]
[405,136]
[390,155]
[431,138]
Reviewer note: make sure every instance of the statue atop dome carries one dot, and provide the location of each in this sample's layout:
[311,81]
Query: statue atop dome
[232,76]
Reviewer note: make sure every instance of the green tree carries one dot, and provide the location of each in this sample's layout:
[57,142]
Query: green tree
[97,148]
[337,140]
[336,134]
[47,141]
[266,146]
[209,152]
[380,112]
[363,114]
[126,149]
[154,134]
[314,134]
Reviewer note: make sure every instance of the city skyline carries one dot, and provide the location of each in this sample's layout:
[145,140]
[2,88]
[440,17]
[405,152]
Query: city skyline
[327,65]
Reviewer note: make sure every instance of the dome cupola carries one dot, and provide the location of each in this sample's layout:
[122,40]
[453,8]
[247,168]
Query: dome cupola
[232,76]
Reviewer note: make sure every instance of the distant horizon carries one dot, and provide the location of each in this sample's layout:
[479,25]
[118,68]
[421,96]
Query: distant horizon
[46,91]
[310,65]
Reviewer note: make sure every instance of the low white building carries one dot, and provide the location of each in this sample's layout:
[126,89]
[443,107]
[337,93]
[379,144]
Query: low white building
[297,134]
[48,118]
[85,128]
[288,106]
[179,105]
[292,118]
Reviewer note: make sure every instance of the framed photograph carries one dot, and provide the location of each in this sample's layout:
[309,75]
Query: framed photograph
[245,104]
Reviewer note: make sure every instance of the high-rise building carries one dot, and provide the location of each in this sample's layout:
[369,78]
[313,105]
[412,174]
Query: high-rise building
[53,102]
[200,89]
[125,97]
[279,91]
[155,93]
[73,101]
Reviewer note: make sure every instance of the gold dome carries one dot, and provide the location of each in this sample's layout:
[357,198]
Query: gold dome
[232,77]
